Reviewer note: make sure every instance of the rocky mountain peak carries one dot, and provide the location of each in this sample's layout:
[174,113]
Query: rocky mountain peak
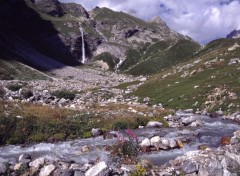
[74,9]
[51,7]
[157,20]
[234,34]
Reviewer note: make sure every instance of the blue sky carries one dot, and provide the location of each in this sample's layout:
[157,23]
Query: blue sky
[203,20]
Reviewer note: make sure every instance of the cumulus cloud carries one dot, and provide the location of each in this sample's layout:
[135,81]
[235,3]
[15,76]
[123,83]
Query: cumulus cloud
[203,20]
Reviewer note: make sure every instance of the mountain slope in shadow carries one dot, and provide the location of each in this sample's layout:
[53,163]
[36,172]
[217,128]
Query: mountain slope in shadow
[26,37]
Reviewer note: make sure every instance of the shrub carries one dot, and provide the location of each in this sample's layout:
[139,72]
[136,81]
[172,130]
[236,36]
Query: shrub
[14,87]
[64,94]
[87,134]
[39,137]
[59,136]
[126,148]
[26,93]
[120,125]
[139,171]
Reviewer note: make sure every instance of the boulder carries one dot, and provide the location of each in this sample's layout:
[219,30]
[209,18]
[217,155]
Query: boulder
[188,120]
[196,123]
[145,143]
[155,141]
[3,168]
[63,172]
[47,170]
[100,169]
[63,165]
[96,132]
[225,140]
[37,163]
[154,124]
[189,167]
[172,143]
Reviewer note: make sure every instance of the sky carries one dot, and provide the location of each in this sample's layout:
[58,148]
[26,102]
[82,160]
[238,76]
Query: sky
[202,20]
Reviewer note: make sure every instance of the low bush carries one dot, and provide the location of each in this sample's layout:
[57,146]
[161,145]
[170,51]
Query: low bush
[126,149]
[39,137]
[14,87]
[26,93]
[66,94]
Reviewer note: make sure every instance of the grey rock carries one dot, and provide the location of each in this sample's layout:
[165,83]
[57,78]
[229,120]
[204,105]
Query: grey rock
[188,120]
[96,132]
[100,169]
[63,172]
[154,124]
[37,163]
[79,173]
[3,168]
[47,170]
[189,167]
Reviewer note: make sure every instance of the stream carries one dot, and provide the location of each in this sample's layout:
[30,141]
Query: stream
[210,134]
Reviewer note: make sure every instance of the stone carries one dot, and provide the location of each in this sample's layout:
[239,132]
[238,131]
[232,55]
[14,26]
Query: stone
[19,166]
[172,143]
[164,141]
[196,123]
[189,167]
[96,132]
[47,170]
[225,140]
[155,141]
[180,144]
[85,149]
[145,143]
[3,168]
[100,169]
[188,120]
[63,172]
[236,134]
[63,165]
[79,173]
[75,166]
[37,163]
[154,124]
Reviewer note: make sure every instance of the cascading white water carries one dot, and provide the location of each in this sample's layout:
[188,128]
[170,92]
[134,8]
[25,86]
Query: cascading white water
[83,46]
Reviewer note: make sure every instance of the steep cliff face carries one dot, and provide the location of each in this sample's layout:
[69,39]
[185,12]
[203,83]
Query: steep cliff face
[52,28]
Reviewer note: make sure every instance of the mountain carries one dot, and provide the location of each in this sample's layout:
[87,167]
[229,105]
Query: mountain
[234,34]
[210,80]
[45,34]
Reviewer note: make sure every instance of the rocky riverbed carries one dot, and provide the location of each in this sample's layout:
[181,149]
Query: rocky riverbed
[199,145]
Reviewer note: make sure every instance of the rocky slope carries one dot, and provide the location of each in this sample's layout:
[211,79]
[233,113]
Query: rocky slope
[50,29]
[234,34]
[209,81]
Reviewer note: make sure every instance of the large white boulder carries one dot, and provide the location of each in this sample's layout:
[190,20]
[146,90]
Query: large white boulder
[37,163]
[153,124]
[145,143]
[47,170]
[100,169]
[155,141]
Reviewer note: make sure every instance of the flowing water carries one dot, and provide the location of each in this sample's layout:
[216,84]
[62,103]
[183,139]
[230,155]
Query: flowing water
[83,46]
[210,134]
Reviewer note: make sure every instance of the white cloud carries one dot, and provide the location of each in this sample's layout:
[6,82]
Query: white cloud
[203,20]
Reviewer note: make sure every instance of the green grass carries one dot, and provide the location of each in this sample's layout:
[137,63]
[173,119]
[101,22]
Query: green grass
[108,58]
[158,56]
[183,94]
[126,84]
[10,69]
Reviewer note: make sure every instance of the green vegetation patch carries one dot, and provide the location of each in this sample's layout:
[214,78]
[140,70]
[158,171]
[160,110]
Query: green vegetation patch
[108,58]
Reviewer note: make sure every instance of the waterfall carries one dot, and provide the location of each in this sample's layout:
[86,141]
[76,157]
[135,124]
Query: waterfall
[83,46]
